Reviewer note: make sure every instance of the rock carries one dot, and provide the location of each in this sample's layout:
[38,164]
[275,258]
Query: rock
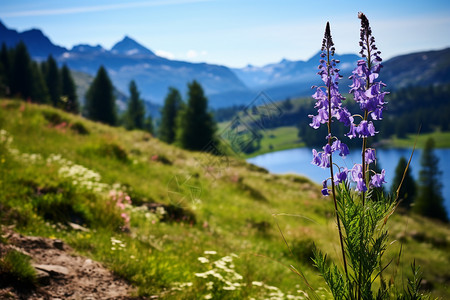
[78,227]
[58,244]
[52,269]
[42,277]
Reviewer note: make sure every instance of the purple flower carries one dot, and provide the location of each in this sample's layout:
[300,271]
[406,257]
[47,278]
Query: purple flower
[377,180]
[357,177]
[352,133]
[340,176]
[341,147]
[325,191]
[365,129]
[370,156]
[327,149]
[316,158]
[366,90]
[320,159]
[361,186]
[344,116]
[325,161]
[329,74]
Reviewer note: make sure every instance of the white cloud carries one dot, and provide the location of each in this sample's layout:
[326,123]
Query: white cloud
[94,8]
[191,54]
[196,54]
[165,54]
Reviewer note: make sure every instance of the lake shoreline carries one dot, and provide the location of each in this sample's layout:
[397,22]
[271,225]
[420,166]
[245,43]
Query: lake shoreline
[298,161]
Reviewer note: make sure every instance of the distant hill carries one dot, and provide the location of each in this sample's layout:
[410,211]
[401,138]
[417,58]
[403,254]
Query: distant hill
[38,44]
[417,69]
[225,87]
[84,80]
[128,60]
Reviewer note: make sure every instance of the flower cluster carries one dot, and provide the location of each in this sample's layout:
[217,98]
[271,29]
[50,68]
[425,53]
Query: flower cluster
[80,175]
[123,201]
[367,91]
[223,271]
[117,244]
[222,276]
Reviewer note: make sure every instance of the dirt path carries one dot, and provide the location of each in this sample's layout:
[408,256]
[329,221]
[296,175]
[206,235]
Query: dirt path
[63,274]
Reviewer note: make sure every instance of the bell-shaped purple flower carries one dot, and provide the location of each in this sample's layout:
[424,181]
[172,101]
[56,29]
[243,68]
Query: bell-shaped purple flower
[369,156]
[377,180]
[317,160]
[341,147]
[357,176]
[365,129]
[352,133]
[340,176]
[325,191]
[327,149]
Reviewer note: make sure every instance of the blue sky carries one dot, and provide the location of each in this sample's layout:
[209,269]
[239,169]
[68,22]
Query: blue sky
[235,32]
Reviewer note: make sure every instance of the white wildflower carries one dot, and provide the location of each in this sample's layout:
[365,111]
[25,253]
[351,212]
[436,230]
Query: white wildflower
[203,260]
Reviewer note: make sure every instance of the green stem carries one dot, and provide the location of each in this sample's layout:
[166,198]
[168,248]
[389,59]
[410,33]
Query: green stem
[364,146]
[333,189]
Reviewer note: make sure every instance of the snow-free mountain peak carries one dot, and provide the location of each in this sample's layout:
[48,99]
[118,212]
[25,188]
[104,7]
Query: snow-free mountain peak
[85,48]
[128,46]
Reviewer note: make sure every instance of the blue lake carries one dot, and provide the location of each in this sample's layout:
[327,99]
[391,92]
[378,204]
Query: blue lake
[298,161]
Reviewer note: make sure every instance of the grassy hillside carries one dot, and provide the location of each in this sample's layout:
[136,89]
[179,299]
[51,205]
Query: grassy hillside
[198,226]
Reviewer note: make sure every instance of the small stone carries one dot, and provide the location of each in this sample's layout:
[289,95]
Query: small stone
[52,269]
[42,277]
[78,227]
[58,244]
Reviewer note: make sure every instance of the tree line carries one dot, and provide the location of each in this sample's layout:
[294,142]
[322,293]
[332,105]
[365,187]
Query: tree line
[424,196]
[408,110]
[43,82]
[189,125]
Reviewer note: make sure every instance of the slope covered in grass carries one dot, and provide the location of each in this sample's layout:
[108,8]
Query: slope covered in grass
[179,224]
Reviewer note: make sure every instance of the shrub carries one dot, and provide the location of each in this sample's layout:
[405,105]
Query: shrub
[15,269]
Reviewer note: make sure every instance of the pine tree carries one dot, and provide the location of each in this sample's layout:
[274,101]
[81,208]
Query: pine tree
[21,77]
[407,192]
[53,81]
[100,102]
[148,124]
[172,106]
[39,91]
[135,114]
[68,92]
[5,69]
[196,126]
[429,203]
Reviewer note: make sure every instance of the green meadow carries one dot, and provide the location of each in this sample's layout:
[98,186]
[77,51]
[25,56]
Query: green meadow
[184,225]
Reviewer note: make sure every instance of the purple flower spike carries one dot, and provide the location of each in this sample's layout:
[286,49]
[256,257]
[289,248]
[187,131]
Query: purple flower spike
[377,180]
[366,90]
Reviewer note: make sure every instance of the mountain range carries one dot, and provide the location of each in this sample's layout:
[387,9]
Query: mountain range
[128,60]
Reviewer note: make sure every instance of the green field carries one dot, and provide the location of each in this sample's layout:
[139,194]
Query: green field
[282,138]
[199,227]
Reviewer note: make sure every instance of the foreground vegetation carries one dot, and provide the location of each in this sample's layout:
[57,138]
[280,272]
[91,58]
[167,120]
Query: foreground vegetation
[212,236]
